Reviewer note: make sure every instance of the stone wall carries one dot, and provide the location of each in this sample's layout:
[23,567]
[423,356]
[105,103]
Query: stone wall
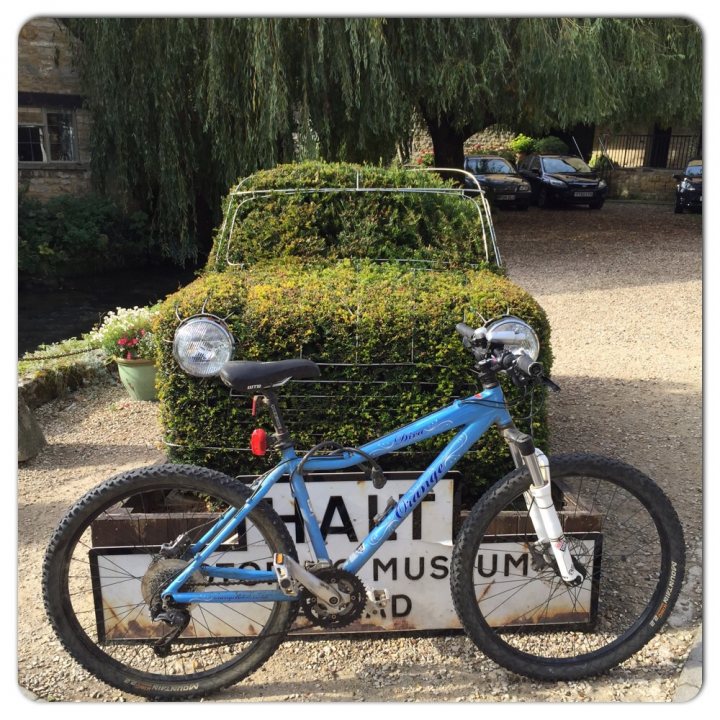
[651,184]
[46,74]
[491,139]
[45,58]
[50,180]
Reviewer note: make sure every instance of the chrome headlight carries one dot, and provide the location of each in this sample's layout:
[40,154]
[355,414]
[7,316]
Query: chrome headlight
[555,182]
[515,334]
[202,345]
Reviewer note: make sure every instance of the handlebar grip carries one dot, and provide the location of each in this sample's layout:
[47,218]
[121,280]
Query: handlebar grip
[528,366]
[465,330]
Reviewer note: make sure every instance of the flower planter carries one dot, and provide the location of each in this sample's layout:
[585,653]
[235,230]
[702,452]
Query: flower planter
[138,377]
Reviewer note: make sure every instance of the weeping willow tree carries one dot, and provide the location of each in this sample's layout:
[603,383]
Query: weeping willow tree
[540,73]
[183,107]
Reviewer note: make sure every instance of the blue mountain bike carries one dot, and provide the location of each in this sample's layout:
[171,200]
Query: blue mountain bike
[175,581]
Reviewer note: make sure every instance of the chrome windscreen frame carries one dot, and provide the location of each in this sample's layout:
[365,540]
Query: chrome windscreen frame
[479,200]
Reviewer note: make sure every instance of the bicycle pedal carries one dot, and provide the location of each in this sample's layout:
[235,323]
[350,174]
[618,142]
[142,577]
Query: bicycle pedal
[379,599]
[285,580]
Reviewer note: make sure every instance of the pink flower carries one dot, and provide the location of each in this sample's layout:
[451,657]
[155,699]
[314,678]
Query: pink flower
[129,356]
[122,341]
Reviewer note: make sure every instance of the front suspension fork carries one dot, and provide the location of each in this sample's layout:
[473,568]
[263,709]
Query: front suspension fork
[538,499]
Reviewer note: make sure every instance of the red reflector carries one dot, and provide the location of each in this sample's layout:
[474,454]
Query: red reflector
[258,442]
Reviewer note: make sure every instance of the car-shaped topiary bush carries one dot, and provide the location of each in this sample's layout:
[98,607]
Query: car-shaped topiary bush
[365,271]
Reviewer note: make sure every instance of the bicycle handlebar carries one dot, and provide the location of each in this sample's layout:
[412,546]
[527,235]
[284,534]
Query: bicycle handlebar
[522,362]
[465,330]
[528,366]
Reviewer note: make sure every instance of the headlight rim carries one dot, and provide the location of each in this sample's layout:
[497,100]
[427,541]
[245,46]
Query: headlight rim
[494,323]
[190,368]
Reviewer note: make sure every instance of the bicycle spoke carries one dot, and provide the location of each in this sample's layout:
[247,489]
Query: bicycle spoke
[621,558]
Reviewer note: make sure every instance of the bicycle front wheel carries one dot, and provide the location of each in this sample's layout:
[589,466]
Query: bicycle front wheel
[103,577]
[624,537]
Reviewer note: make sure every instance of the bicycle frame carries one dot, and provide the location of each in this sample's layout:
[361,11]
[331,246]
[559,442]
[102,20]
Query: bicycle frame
[473,415]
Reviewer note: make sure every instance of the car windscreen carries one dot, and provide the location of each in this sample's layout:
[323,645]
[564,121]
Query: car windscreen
[564,165]
[694,171]
[485,166]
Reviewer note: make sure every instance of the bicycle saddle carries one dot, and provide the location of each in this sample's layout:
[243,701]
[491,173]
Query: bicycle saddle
[247,376]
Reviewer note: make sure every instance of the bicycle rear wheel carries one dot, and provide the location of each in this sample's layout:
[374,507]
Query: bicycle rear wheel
[101,574]
[624,537]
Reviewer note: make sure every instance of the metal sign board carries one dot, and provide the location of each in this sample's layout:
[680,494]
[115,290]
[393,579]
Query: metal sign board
[413,566]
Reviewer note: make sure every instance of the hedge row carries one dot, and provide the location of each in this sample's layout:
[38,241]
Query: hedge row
[70,236]
[428,226]
[387,334]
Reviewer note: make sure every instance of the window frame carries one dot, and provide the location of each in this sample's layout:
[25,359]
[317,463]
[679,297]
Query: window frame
[45,137]
[43,149]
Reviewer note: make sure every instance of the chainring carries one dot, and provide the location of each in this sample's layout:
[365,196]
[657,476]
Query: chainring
[327,616]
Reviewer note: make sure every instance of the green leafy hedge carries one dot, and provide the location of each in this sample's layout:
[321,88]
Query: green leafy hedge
[387,332]
[426,226]
[78,236]
[299,275]
[551,145]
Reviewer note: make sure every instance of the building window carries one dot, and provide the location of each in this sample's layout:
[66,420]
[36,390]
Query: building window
[61,136]
[30,144]
[52,142]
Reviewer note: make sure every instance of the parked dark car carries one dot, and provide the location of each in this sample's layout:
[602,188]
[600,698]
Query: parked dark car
[688,193]
[502,183]
[563,178]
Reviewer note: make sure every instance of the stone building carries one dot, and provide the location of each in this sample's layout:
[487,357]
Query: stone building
[53,127]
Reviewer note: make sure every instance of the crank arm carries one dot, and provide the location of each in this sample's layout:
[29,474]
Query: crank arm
[289,569]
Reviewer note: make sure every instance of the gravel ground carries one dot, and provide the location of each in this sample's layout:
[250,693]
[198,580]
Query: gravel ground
[618,285]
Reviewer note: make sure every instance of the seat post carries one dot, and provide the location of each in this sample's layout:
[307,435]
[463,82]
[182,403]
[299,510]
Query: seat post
[282,436]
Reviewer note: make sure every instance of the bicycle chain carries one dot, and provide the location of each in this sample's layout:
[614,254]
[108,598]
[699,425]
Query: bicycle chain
[317,613]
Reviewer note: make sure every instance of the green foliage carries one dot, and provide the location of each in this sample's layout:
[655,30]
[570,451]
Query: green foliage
[599,162]
[522,144]
[386,333]
[84,349]
[78,235]
[426,159]
[411,226]
[183,106]
[551,145]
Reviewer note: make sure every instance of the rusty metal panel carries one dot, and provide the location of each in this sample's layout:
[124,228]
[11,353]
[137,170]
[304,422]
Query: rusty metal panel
[414,566]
